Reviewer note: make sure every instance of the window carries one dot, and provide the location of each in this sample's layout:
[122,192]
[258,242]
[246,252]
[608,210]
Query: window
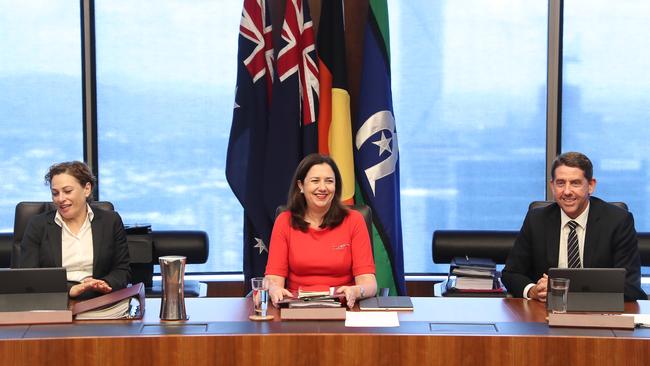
[605,103]
[165,92]
[469,92]
[40,97]
[605,98]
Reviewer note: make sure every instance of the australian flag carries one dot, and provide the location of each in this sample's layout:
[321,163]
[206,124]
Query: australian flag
[376,155]
[292,129]
[248,135]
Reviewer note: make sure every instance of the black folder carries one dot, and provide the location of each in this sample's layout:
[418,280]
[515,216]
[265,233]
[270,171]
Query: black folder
[386,303]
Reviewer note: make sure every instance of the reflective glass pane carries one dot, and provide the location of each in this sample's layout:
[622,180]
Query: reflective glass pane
[40,97]
[606,97]
[165,90]
[469,91]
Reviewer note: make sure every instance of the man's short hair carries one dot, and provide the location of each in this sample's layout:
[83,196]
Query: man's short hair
[574,160]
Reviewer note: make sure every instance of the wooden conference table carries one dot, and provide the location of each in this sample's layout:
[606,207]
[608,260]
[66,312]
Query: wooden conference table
[440,331]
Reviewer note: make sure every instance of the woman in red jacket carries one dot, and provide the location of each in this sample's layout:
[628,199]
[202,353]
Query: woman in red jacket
[318,241]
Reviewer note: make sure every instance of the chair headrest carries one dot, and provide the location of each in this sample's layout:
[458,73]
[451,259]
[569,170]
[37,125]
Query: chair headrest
[494,244]
[193,244]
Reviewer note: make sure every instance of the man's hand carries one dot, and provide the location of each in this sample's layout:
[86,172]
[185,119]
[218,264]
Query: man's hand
[539,291]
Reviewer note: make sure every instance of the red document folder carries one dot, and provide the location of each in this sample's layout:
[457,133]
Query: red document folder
[112,298]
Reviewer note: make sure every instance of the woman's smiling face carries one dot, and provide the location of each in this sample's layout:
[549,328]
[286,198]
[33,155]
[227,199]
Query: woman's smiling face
[69,196]
[319,187]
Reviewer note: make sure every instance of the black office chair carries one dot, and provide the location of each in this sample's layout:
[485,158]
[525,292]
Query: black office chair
[26,210]
[493,244]
[6,245]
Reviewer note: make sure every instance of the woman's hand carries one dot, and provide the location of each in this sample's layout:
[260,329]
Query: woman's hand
[90,284]
[365,286]
[277,293]
[352,293]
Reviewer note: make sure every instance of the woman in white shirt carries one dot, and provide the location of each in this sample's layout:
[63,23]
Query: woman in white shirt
[89,242]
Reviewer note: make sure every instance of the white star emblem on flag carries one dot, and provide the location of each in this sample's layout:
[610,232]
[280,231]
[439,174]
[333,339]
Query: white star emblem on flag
[383,143]
[236,105]
[260,244]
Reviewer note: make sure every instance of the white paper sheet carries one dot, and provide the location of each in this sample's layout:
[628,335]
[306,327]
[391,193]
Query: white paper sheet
[371,319]
[641,320]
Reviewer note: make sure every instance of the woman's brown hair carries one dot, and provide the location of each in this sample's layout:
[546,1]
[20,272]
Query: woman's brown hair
[79,170]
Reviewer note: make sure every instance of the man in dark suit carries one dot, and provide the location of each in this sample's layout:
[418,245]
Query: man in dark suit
[578,230]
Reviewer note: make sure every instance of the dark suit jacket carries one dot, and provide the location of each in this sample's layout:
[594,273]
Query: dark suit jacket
[610,241]
[41,246]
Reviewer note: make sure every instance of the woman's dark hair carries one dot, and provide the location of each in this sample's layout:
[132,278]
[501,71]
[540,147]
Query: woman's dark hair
[79,170]
[297,204]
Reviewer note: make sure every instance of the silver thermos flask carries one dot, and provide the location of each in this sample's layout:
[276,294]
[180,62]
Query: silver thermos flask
[172,270]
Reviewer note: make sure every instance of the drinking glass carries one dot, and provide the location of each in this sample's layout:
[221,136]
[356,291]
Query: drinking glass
[260,289]
[558,291]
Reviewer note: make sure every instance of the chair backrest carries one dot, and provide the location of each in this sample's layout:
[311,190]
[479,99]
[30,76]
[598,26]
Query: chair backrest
[145,249]
[538,204]
[194,245]
[644,247]
[364,210]
[493,244]
[26,210]
[6,245]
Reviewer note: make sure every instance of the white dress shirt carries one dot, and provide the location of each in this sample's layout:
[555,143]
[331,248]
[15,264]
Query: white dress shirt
[77,249]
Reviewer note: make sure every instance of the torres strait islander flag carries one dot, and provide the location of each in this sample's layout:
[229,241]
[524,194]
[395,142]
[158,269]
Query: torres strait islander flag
[292,131]
[247,145]
[376,152]
[334,120]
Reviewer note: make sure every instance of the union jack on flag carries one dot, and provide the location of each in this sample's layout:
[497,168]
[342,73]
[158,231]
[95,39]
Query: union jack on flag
[292,130]
[257,28]
[299,55]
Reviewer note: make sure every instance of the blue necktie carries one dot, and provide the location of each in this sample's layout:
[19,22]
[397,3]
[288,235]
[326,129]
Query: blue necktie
[573,250]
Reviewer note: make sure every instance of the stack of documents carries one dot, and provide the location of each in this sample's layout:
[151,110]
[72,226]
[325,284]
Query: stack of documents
[474,283]
[313,303]
[473,275]
[314,297]
[305,292]
[118,310]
